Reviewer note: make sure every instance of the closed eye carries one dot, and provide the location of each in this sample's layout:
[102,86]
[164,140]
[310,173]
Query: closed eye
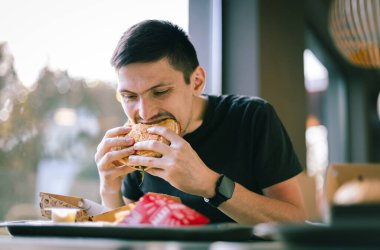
[128,96]
[161,92]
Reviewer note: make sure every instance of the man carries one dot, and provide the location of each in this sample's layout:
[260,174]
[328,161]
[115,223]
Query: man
[234,160]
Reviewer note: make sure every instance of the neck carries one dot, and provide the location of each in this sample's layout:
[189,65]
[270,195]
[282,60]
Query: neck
[199,108]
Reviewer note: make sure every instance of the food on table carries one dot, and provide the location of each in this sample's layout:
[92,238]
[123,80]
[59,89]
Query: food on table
[365,191]
[60,214]
[162,210]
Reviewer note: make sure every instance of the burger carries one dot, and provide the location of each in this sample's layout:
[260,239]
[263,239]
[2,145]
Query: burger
[139,133]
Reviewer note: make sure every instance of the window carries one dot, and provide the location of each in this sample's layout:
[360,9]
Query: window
[327,121]
[316,84]
[57,95]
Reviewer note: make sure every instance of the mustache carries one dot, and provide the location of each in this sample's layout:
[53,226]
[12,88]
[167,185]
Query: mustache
[155,119]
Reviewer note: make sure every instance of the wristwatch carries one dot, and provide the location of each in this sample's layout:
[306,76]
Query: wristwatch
[224,189]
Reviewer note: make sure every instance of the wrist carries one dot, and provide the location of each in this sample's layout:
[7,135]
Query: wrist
[109,191]
[209,190]
[111,198]
[224,189]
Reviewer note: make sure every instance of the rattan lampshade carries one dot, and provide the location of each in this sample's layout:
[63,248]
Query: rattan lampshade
[355,29]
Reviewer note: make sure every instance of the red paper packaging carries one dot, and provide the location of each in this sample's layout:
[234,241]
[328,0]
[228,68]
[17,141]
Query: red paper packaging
[161,210]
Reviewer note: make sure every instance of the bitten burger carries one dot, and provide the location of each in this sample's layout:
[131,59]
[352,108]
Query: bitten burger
[139,133]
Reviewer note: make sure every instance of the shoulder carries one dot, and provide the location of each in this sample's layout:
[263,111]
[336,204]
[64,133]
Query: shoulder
[237,111]
[242,107]
[237,102]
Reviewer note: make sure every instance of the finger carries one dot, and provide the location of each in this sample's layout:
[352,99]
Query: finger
[107,160]
[149,162]
[152,145]
[168,134]
[139,168]
[155,171]
[112,133]
[112,144]
[118,131]
[113,173]
[115,132]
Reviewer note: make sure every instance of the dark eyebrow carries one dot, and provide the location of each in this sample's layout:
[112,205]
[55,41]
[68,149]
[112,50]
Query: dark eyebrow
[151,88]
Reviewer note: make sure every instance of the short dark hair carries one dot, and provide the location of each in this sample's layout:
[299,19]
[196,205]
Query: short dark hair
[152,40]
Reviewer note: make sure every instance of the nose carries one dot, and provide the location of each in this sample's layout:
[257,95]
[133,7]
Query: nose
[146,108]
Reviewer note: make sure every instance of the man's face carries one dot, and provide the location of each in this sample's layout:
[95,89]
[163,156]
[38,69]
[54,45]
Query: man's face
[151,92]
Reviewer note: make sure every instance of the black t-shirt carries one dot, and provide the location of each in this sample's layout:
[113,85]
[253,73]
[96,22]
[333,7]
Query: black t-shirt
[241,137]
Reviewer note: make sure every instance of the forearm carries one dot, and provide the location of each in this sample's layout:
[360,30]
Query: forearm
[111,199]
[246,207]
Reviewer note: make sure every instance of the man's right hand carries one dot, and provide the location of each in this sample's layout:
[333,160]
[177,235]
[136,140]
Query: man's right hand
[113,147]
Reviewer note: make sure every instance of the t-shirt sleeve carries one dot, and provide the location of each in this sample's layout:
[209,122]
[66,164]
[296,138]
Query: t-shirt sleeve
[275,158]
[131,186]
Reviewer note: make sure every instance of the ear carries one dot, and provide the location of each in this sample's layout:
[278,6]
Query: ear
[198,80]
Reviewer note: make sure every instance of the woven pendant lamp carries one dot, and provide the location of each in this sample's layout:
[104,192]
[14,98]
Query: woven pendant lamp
[355,28]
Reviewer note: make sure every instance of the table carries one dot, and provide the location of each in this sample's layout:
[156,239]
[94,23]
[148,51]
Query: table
[38,243]
[8,242]
[45,243]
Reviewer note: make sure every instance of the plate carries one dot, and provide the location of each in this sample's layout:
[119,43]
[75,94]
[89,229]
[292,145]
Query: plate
[212,232]
[359,212]
[349,233]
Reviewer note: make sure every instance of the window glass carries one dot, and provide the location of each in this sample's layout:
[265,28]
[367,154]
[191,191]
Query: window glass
[316,84]
[57,92]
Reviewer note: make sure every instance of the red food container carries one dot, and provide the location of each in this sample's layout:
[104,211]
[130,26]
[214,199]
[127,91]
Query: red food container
[162,210]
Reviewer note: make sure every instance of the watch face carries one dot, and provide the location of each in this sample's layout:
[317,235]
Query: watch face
[227,187]
[223,191]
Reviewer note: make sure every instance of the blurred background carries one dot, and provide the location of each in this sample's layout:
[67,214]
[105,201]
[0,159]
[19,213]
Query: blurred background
[57,88]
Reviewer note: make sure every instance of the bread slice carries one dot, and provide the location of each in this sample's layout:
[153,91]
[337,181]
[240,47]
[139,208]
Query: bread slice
[139,133]
[356,192]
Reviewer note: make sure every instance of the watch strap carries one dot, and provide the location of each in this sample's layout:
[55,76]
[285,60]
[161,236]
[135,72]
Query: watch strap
[224,189]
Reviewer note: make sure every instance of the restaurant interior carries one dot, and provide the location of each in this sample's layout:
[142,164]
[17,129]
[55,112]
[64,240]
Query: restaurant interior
[345,104]
[321,74]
